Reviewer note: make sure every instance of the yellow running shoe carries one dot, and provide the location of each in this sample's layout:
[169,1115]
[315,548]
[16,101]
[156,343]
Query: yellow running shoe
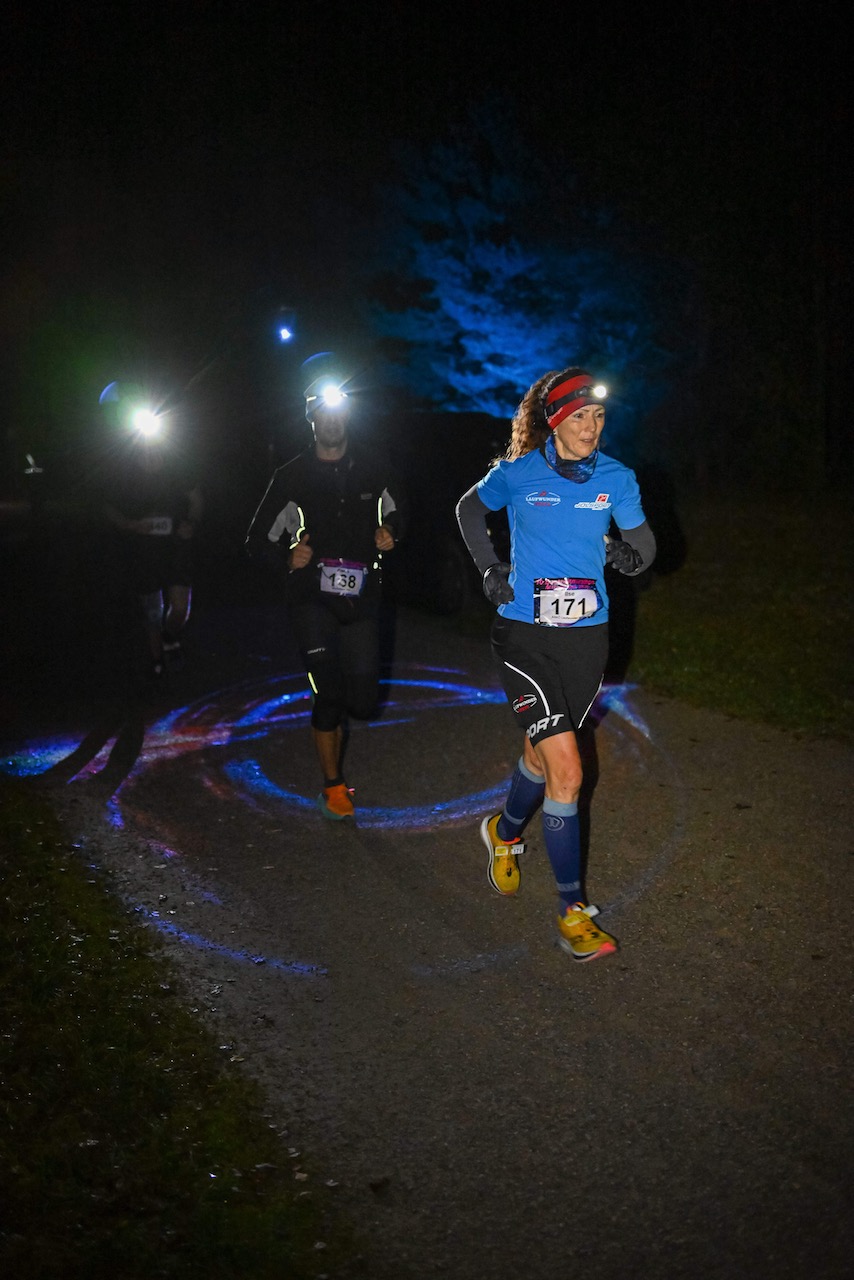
[502,869]
[579,936]
[336,802]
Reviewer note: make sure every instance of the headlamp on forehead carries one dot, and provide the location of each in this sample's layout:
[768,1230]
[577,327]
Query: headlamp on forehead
[331,397]
[571,394]
[325,395]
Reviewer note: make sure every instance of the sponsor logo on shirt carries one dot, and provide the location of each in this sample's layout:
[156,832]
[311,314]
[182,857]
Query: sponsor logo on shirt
[522,704]
[601,503]
[542,498]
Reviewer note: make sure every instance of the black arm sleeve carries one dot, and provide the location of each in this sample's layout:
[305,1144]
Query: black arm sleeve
[643,540]
[471,517]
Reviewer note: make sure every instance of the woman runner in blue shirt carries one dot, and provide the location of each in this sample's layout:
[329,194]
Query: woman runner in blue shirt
[550,636]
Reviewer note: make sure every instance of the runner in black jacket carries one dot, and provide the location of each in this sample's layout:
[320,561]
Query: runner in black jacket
[323,525]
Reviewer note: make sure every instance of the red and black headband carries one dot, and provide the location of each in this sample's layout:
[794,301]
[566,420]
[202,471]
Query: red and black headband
[571,394]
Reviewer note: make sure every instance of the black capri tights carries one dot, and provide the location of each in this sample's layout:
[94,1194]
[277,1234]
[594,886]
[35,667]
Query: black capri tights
[342,659]
[551,675]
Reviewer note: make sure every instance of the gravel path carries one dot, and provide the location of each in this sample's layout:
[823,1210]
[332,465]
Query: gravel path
[488,1109]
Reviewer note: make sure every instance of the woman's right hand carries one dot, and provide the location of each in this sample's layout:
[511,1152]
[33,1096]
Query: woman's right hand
[496,588]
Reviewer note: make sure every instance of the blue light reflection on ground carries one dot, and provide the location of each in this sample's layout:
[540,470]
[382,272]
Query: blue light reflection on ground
[266,712]
[295,967]
[190,884]
[255,709]
[614,697]
[259,708]
[467,694]
[113,814]
[249,775]
[38,755]
[239,713]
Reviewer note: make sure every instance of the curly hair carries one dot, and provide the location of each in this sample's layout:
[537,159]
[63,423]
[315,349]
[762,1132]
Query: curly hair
[529,428]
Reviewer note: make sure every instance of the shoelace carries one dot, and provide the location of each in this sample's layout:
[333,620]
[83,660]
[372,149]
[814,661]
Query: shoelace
[583,924]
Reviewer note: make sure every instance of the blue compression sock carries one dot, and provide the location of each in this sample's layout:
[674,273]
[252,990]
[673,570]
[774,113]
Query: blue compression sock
[525,794]
[563,845]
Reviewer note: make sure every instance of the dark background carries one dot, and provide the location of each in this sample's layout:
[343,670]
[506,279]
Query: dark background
[171,177]
[174,174]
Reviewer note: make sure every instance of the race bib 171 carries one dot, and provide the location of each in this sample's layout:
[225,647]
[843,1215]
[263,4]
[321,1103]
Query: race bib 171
[561,602]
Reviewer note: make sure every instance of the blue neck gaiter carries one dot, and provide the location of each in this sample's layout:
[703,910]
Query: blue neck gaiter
[577,471]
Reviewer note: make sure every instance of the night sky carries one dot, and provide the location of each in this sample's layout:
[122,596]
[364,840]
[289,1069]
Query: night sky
[169,169]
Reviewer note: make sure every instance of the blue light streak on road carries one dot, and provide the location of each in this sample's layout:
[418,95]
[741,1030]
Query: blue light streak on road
[258,709]
[296,968]
[37,755]
[268,713]
[250,776]
[614,697]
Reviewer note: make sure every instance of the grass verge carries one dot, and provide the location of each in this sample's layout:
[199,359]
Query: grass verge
[128,1148]
[757,621]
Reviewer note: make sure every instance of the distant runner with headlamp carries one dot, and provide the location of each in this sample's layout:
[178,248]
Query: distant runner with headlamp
[327,518]
[550,637]
[155,504]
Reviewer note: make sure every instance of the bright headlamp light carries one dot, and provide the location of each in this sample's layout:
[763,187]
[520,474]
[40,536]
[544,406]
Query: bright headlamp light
[327,395]
[331,397]
[147,423]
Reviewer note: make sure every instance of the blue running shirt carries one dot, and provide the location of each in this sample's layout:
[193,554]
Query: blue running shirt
[558,527]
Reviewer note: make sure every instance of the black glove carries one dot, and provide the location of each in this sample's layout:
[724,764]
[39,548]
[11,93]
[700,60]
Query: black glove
[619,555]
[496,588]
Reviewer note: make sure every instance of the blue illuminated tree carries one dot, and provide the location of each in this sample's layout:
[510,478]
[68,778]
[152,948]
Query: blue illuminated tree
[493,270]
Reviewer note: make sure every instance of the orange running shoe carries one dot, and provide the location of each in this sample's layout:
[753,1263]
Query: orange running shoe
[336,802]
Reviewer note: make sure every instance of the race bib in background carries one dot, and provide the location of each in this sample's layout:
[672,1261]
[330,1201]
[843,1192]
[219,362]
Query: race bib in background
[158,526]
[342,577]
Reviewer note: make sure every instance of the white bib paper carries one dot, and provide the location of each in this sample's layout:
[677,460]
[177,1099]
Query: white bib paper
[561,602]
[342,577]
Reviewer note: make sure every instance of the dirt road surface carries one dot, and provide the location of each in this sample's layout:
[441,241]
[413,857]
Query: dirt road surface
[489,1109]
